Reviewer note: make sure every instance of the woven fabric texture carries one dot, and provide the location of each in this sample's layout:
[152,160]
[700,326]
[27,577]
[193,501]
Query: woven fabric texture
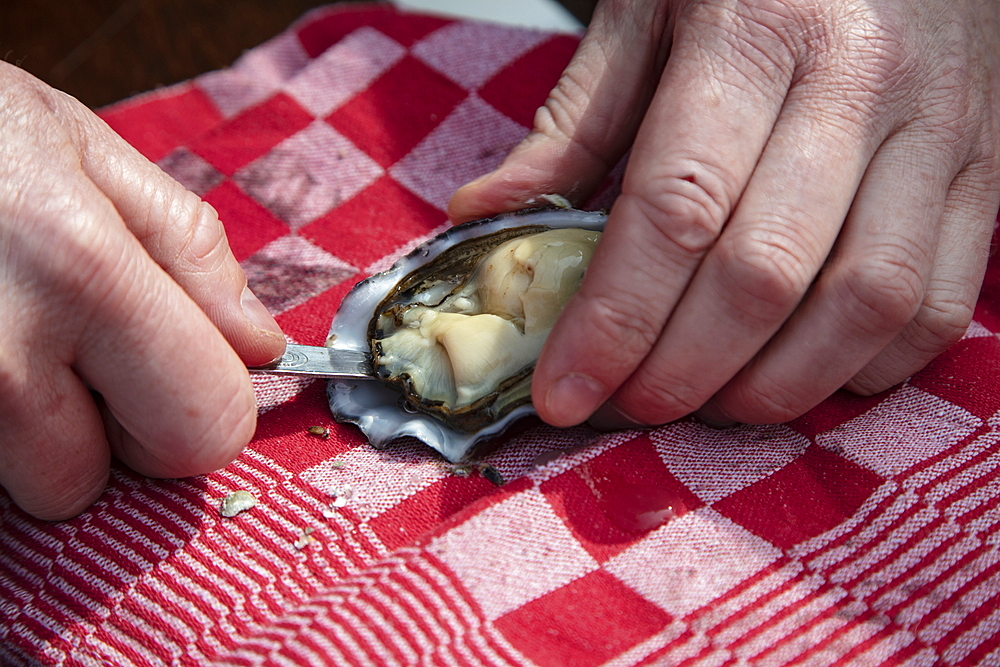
[864,533]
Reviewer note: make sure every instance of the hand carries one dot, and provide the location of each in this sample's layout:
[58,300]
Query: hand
[808,202]
[121,325]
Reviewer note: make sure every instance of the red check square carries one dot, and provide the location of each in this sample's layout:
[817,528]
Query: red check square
[309,323]
[839,409]
[246,137]
[284,436]
[374,223]
[988,306]
[399,109]
[520,88]
[963,375]
[570,627]
[611,501]
[249,225]
[158,123]
[319,35]
[414,516]
[804,499]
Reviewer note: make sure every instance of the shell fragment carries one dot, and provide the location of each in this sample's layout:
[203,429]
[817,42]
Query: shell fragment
[236,502]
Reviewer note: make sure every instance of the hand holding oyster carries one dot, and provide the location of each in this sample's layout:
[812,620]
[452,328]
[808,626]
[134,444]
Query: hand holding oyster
[455,327]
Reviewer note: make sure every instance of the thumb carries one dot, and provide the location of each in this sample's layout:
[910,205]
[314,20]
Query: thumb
[588,121]
[181,233]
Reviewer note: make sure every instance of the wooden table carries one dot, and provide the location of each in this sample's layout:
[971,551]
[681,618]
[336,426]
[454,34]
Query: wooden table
[101,51]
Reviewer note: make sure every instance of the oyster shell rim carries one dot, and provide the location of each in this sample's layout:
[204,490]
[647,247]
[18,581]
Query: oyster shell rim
[379,410]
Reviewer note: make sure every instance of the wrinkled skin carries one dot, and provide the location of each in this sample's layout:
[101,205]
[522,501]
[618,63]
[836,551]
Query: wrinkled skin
[807,205]
[125,327]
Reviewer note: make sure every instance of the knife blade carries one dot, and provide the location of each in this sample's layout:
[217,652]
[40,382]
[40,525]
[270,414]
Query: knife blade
[320,362]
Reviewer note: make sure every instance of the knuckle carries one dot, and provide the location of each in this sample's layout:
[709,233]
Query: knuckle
[883,291]
[872,43]
[656,396]
[204,246]
[32,108]
[21,87]
[940,323]
[764,401]
[568,101]
[873,379]
[624,324]
[950,129]
[688,209]
[65,498]
[876,52]
[767,274]
[759,45]
[559,119]
[852,68]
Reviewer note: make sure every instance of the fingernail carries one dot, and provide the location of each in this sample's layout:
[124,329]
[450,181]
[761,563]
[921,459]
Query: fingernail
[461,210]
[610,418]
[479,180]
[572,398]
[711,415]
[257,314]
[471,186]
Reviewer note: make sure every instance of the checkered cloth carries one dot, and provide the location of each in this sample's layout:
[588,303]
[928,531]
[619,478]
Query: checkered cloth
[864,533]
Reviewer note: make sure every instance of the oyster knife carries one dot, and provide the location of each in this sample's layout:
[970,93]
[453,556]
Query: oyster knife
[320,362]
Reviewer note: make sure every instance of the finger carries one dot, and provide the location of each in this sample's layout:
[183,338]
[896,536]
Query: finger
[607,85]
[54,462]
[136,455]
[166,373]
[182,234]
[168,377]
[765,261]
[872,288]
[695,152]
[946,312]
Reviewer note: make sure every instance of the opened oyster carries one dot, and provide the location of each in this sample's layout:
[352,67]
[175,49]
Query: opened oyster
[455,327]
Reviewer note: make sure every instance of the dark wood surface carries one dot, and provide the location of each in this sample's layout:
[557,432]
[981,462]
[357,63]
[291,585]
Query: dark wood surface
[101,51]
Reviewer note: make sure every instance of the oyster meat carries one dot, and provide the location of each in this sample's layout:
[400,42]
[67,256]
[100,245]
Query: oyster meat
[461,335]
[455,327]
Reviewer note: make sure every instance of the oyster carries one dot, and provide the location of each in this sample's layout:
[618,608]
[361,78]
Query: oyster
[454,328]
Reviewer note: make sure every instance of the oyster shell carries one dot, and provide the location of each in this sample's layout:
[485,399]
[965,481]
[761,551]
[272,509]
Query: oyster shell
[415,317]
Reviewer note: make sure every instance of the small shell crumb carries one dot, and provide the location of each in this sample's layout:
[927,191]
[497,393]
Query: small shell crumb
[341,495]
[305,539]
[492,474]
[320,432]
[337,465]
[484,469]
[556,200]
[236,502]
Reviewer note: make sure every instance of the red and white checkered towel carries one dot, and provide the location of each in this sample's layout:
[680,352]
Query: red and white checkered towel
[864,533]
